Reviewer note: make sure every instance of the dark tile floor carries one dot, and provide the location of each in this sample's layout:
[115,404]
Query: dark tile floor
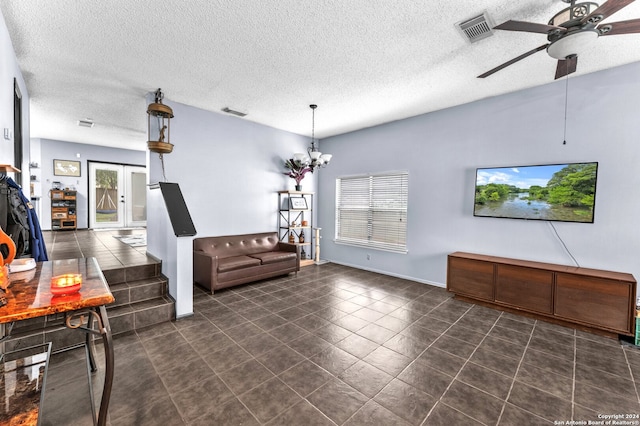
[109,251]
[340,346]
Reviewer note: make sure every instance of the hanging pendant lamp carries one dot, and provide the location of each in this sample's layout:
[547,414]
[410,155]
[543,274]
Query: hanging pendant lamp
[313,158]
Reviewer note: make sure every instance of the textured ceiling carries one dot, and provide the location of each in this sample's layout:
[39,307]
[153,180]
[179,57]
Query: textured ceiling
[364,62]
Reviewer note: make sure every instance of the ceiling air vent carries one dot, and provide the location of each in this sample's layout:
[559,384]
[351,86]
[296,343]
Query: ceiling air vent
[85,123]
[476,28]
[234,112]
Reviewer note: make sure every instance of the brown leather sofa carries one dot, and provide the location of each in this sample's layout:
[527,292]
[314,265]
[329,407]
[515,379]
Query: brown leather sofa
[220,262]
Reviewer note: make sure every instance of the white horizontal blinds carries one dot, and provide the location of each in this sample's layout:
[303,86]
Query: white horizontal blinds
[372,211]
[353,213]
[389,204]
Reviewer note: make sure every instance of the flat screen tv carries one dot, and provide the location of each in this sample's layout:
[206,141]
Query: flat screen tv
[559,192]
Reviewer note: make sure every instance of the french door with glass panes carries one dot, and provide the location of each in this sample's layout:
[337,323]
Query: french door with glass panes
[118,195]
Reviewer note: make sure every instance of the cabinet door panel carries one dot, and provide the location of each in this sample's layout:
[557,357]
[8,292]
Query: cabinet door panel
[589,300]
[470,278]
[525,288]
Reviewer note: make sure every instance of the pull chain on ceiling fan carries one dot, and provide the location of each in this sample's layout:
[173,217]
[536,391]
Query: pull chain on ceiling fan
[570,32]
[566,105]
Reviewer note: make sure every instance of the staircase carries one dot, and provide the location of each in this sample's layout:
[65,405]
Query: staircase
[142,300]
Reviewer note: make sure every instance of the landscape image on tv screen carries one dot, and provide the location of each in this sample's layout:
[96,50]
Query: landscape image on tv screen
[560,192]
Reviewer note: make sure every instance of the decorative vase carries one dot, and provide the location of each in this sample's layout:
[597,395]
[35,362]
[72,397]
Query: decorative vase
[298,187]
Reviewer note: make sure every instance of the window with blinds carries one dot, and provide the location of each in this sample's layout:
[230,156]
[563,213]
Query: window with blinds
[371,211]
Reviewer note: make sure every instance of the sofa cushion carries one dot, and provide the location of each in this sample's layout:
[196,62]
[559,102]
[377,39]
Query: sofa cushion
[274,256]
[237,245]
[236,262]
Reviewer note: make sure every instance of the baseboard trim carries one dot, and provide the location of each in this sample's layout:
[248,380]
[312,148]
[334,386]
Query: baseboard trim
[391,274]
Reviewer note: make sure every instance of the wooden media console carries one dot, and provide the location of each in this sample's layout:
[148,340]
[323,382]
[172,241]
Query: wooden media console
[588,299]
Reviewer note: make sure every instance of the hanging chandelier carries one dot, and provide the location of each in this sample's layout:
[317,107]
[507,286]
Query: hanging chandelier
[313,158]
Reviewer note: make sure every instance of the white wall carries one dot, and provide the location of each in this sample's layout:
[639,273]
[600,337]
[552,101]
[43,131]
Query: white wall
[50,150]
[176,253]
[441,151]
[229,171]
[9,69]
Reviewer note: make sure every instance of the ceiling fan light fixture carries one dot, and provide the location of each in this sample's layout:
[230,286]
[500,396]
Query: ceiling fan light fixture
[571,32]
[572,44]
[573,14]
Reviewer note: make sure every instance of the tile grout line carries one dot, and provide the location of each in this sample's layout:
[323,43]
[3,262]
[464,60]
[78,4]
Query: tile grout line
[235,395]
[334,377]
[276,376]
[164,386]
[379,346]
[408,365]
[409,324]
[188,343]
[217,375]
[254,358]
[467,360]
[515,374]
[635,385]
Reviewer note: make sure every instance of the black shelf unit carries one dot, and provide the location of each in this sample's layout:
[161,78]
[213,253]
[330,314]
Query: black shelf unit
[290,211]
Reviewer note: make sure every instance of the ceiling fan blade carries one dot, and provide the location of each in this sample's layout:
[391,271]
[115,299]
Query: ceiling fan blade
[607,9]
[513,61]
[622,27]
[529,27]
[566,66]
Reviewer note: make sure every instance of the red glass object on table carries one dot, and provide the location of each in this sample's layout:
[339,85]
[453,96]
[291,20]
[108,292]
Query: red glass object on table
[66,284]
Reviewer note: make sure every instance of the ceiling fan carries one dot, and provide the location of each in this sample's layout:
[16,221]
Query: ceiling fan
[571,31]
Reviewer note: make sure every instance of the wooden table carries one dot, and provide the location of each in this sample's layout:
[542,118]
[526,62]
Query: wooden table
[29,296]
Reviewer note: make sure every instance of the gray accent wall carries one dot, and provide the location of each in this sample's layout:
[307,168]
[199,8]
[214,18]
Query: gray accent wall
[442,150]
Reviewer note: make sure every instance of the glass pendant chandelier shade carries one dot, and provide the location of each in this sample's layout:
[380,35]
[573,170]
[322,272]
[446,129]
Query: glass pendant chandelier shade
[313,158]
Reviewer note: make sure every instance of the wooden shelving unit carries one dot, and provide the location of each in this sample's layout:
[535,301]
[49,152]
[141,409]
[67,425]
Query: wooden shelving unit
[291,209]
[63,210]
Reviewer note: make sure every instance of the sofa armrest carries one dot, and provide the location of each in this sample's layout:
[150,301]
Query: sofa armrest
[205,270]
[282,246]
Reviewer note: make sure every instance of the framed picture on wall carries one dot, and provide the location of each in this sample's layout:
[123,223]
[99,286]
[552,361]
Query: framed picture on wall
[298,203]
[66,168]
